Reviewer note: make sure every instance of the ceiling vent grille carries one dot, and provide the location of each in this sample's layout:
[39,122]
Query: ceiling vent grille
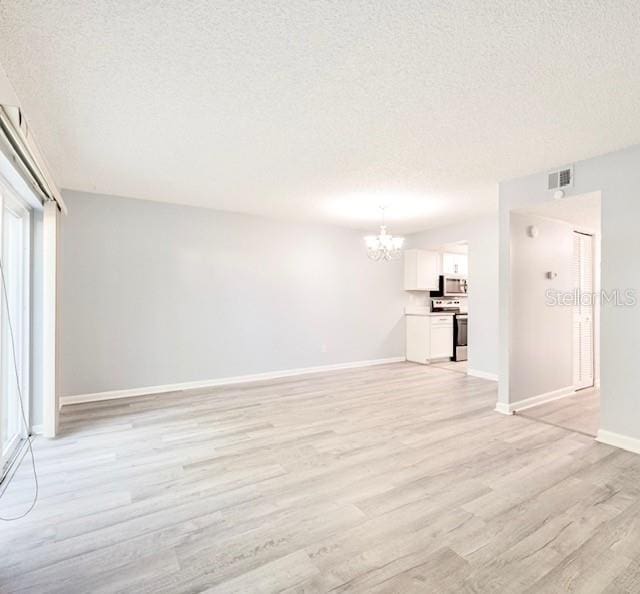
[560,178]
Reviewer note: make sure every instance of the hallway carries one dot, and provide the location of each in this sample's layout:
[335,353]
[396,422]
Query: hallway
[579,413]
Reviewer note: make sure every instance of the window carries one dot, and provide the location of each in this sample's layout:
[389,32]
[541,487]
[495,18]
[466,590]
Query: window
[15,227]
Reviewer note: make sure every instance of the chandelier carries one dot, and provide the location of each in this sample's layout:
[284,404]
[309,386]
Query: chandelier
[383,246]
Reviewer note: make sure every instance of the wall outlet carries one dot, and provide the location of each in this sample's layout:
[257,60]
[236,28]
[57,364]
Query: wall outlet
[324,348]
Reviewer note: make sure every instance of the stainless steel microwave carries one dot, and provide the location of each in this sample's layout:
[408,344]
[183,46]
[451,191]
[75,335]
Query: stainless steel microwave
[453,286]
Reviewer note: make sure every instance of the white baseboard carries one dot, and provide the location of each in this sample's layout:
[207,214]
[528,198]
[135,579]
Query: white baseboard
[224,381]
[625,442]
[37,429]
[542,398]
[512,407]
[483,374]
[503,408]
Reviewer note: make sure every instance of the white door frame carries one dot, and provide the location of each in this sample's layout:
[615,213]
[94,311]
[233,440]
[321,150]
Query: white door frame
[49,319]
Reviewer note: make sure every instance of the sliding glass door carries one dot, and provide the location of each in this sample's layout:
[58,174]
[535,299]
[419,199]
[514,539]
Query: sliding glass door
[14,322]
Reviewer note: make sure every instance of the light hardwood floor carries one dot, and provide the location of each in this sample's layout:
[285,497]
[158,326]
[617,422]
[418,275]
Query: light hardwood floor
[459,366]
[580,412]
[397,478]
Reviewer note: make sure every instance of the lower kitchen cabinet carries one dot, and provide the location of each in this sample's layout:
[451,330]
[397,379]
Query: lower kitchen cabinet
[429,338]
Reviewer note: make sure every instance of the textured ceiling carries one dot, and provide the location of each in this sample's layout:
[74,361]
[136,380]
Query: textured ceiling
[322,110]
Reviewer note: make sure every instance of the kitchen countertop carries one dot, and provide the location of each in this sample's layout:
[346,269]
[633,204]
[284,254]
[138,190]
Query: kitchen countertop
[425,311]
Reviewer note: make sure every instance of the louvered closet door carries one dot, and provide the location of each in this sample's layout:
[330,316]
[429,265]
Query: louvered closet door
[583,364]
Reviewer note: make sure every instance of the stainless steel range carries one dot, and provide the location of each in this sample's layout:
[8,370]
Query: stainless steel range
[460,324]
[444,304]
[457,306]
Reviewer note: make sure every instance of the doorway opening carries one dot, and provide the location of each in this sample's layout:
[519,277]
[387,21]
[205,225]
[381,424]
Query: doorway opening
[556,298]
[437,285]
[454,259]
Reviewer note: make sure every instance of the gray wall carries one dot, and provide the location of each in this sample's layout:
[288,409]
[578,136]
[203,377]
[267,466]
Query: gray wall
[617,176]
[542,336]
[482,235]
[156,294]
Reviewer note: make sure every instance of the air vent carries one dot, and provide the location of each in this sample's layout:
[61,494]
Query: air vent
[561,178]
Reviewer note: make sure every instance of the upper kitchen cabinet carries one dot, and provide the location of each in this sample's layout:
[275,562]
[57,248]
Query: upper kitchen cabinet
[456,264]
[421,270]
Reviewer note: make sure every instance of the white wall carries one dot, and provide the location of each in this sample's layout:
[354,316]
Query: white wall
[541,335]
[156,294]
[482,236]
[7,94]
[37,305]
[617,176]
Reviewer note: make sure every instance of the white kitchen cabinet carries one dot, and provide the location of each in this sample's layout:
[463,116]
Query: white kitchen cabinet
[457,264]
[441,342]
[421,270]
[429,338]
